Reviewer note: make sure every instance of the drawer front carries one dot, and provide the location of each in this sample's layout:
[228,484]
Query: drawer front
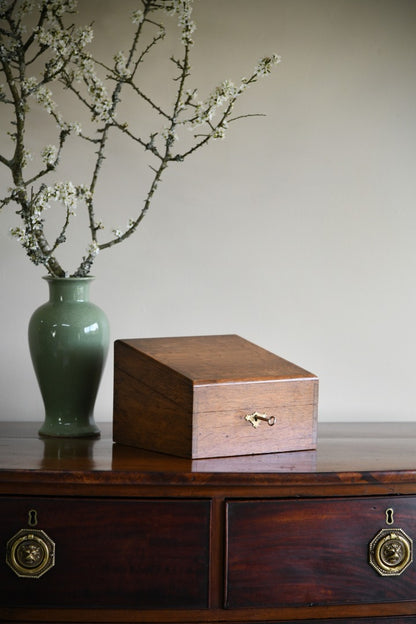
[314,551]
[111,553]
[410,619]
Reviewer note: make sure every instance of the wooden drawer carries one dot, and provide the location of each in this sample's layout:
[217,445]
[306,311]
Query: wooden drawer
[313,552]
[114,553]
[356,620]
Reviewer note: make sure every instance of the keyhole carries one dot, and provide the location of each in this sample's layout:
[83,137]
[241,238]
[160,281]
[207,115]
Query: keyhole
[389,516]
[33,517]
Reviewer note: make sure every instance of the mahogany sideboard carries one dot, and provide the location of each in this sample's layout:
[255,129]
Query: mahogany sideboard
[97,532]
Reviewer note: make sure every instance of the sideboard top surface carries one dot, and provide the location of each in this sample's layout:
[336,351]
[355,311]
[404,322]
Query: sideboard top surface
[347,453]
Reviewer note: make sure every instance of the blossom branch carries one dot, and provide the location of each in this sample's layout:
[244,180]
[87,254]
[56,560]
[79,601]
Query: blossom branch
[61,50]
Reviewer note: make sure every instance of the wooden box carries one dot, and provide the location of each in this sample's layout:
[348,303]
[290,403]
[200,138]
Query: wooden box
[211,396]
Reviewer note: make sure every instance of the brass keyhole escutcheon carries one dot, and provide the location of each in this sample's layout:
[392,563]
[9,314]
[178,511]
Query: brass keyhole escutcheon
[32,519]
[391,552]
[256,418]
[30,553]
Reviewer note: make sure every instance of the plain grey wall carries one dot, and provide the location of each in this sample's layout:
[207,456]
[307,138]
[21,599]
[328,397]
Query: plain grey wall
[296,232]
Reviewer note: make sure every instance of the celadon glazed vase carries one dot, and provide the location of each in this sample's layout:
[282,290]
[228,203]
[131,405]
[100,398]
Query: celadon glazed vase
[68,342]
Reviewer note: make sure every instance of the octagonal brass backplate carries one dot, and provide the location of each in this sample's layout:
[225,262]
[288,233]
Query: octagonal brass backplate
[391,552]
[30,553]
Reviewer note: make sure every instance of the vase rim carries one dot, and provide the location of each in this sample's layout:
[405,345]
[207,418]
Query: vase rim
[50,278]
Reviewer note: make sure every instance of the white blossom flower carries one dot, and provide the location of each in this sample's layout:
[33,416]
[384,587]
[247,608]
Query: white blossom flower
[219,132]
[44,97]
[137,16]
[66,44]
[68,127]
[183,9]
[75,127]
[83,190]
[18,233]
[101,103]
[84,36]
[93,249]
[29,85]
[224,93]
[49,154]
[44,36]
[265,65]
[64,192]
[120,65]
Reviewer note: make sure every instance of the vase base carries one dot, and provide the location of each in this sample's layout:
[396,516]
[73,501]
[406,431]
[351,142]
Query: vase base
[62,431]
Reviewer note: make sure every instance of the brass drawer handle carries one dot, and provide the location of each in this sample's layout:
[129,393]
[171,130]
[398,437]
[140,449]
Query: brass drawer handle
[391,552]
[256,418]
[30,553]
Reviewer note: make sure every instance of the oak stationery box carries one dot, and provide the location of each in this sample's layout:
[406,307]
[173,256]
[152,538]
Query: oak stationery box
[211,396]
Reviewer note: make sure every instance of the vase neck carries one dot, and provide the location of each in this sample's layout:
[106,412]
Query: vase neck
[69,289]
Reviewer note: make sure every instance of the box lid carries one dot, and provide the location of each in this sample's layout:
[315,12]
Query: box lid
[217,359]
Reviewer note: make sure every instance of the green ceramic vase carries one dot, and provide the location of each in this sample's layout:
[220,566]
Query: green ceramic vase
[68,342]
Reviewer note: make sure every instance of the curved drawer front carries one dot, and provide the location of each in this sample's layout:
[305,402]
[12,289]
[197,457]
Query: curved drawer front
[108,553]
[320,551]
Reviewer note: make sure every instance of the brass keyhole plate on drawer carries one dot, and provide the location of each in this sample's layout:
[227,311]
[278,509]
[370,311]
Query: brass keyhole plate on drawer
[30,553]
[391,552]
